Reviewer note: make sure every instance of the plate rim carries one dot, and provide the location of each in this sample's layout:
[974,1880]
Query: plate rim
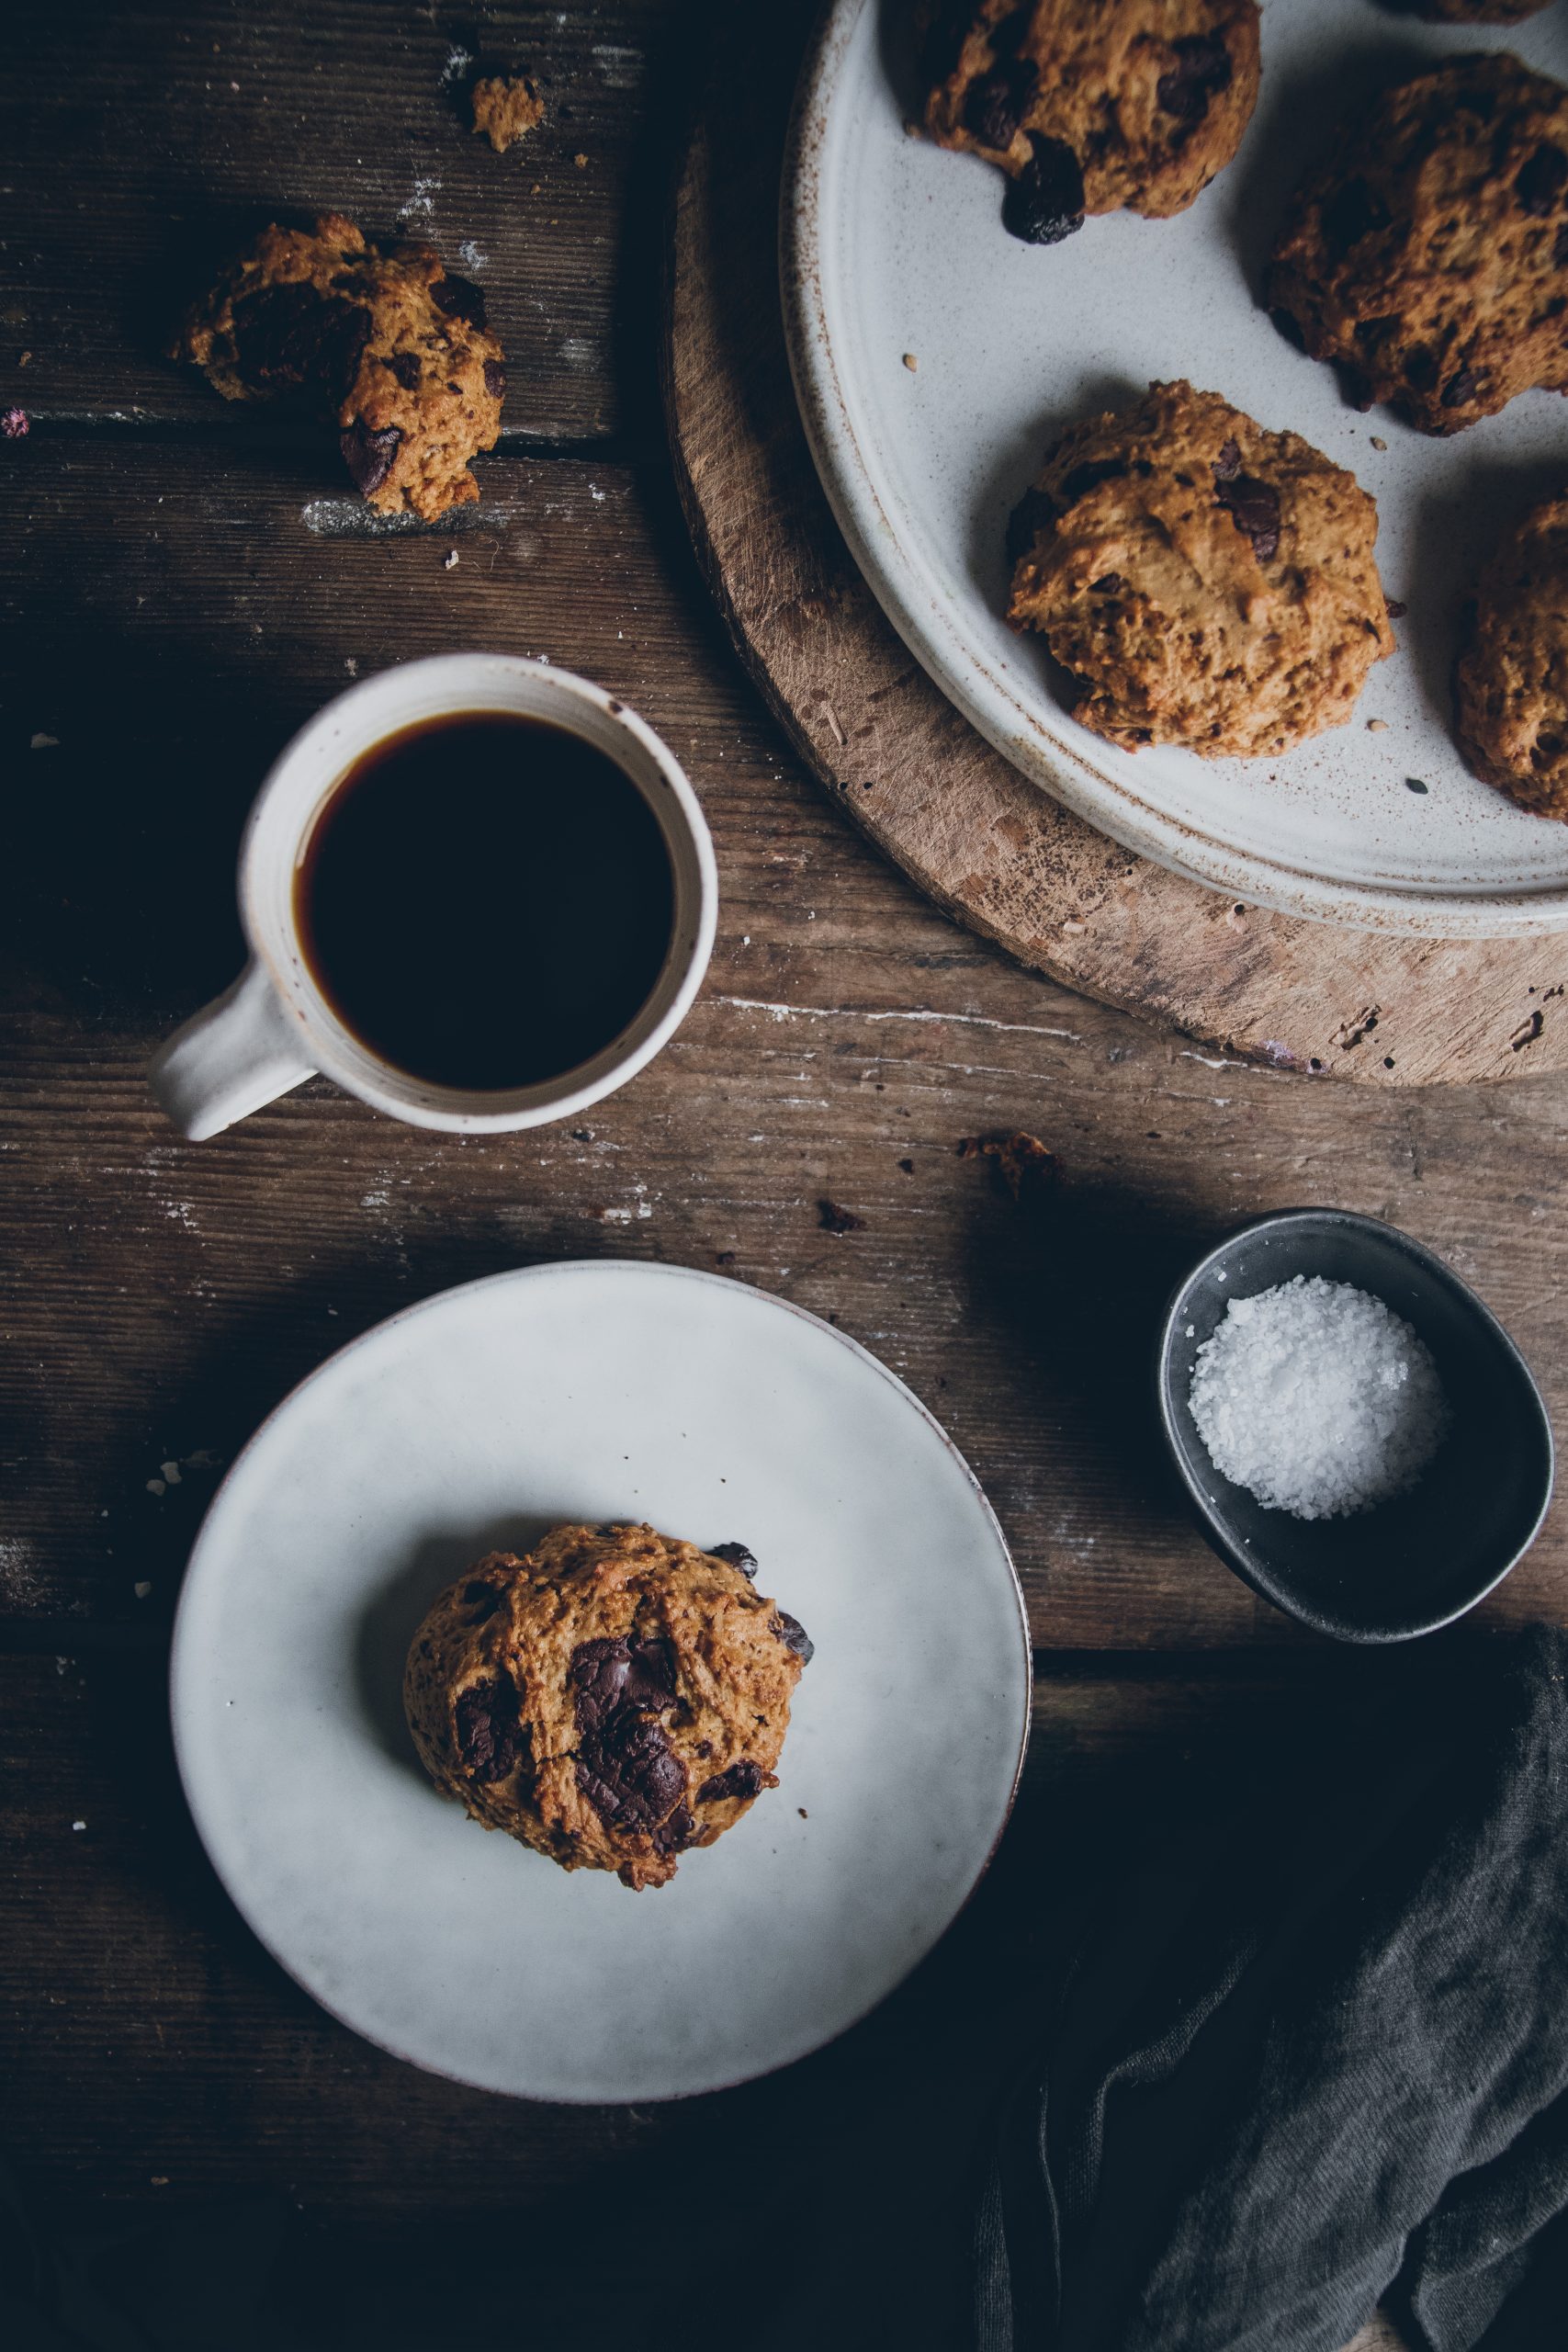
[917,610]
[180,1638]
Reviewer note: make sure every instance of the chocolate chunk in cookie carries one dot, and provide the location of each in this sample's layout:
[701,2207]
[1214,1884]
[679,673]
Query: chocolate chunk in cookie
[1206,582]
[1425,253]
[491,1738]
[1090,105]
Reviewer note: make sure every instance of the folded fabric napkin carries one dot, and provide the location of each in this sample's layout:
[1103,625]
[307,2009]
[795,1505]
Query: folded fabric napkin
[1315,2056]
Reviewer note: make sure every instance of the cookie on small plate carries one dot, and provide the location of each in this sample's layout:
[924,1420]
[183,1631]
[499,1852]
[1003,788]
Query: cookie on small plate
[610,1700]
[1513,674]
[1427,254]
[1206,582]
[1090,105]
[389,344]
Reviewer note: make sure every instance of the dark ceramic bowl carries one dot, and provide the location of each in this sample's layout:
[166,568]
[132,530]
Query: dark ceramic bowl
[1423,1558]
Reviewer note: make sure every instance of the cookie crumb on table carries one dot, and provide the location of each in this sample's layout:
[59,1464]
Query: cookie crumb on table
[1025,1165]
[506,109]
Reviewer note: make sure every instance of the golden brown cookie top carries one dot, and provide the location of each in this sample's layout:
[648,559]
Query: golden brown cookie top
[1092,105]
[1513,674]
[1207,582]
[612,1698]
[1428,253]
[388,342]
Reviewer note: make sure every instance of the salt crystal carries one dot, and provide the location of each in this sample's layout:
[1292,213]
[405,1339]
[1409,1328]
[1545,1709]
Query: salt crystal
[1317,1399]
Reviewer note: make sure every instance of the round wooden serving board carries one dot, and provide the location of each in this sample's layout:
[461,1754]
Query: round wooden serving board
[985,845]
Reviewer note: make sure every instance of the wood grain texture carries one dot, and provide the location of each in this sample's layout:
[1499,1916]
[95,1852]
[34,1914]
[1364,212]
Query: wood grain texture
[985,842]
[142,143]
[171,628]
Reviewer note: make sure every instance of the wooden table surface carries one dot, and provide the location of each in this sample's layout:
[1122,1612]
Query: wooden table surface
[184,582]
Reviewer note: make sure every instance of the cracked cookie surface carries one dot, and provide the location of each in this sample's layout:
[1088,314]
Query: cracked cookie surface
[387,344]
[1428,253]
[611,1699]
[1207,582]
[1090,105]
[1513,674]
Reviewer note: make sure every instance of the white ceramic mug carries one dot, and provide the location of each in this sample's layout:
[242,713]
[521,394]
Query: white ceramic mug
[274,1027]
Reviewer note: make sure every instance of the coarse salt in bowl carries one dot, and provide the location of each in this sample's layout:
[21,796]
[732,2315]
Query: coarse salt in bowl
[1359,1437]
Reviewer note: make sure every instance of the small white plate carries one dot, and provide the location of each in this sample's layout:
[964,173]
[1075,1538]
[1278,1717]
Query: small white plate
[596,1391]
[892,245]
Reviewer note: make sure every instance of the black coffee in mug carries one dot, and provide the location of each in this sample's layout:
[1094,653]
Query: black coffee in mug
[485,900]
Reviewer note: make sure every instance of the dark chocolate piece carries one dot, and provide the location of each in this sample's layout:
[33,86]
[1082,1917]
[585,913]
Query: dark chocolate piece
[1045,202]
[369,456]
[1201,71]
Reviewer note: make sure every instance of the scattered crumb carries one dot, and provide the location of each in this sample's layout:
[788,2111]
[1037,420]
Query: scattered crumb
[141,1589]
[45,744]
[582,162]
[450,560]
[507,110]
[1377,727]
[1378,442]
[24,359]
[171,1471]
[1397,607]
[156,1487]
[158,2179]
[801,1809]
[1023,1162]
[15,424]
[834,1219]
[910,362]
[78,1825]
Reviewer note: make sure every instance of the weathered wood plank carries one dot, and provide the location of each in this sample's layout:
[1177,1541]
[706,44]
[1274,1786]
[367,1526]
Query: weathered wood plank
[158,2063]
[142,143]
[172,629]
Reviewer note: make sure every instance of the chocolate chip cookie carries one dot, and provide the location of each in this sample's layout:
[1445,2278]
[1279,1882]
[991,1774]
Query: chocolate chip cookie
[1427,254]
[611,1699]
[1092,105]
[1513,674]
[389,344]
[1205,582]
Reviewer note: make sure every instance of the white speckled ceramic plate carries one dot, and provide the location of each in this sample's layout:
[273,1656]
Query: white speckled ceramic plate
[891,246]
[596,1391]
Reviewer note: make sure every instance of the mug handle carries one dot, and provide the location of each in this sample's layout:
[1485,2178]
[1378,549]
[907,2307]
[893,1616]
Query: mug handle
[239,1052]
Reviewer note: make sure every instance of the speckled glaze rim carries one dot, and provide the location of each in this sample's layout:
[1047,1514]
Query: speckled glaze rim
[551,1269]
[913,602]
[1248,1565]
